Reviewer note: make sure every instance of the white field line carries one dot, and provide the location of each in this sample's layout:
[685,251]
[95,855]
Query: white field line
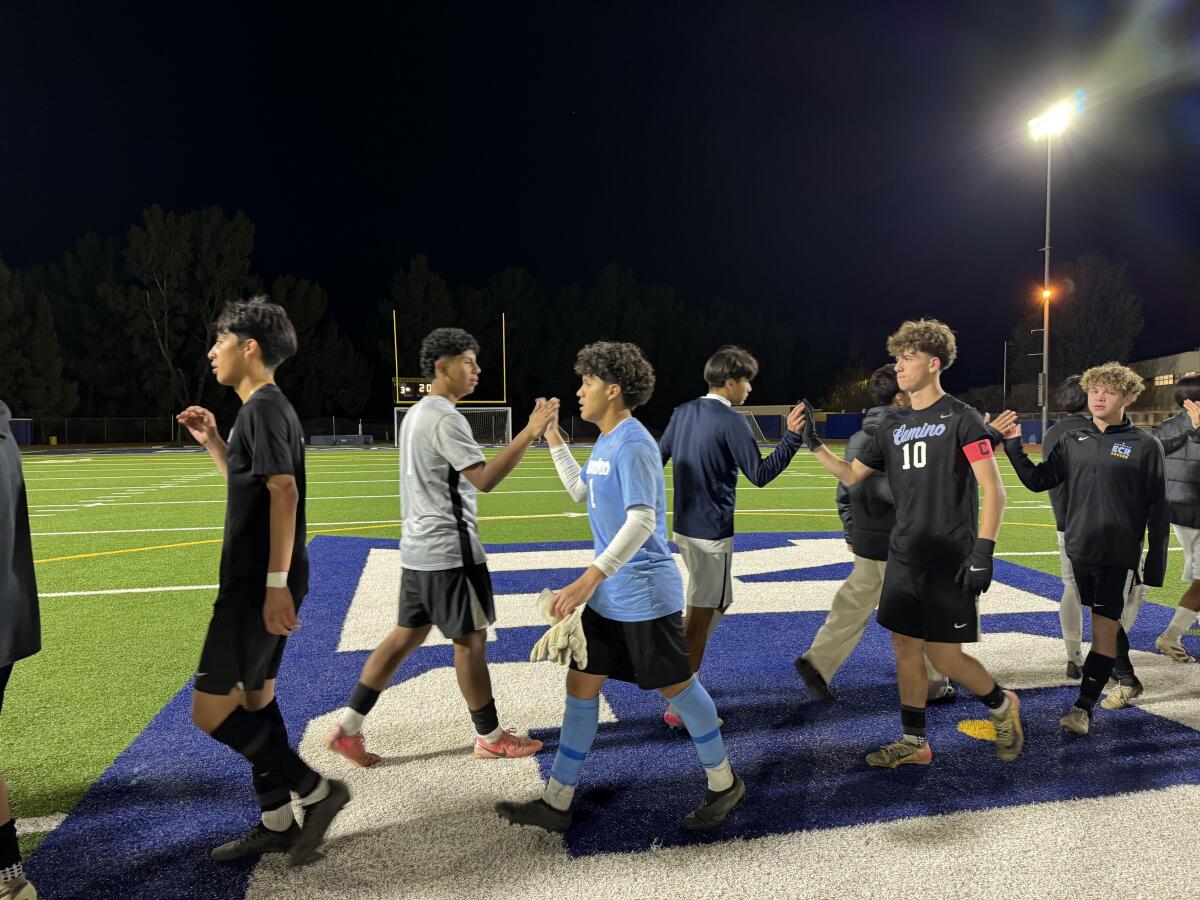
[141,590]
[39,824]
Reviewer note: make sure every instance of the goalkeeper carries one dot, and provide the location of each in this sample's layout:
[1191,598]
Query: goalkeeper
[632,621]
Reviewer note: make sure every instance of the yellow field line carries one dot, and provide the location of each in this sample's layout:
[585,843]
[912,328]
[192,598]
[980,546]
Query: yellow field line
[127,550]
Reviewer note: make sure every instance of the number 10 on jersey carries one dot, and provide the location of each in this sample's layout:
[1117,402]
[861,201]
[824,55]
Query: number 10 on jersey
[914,455]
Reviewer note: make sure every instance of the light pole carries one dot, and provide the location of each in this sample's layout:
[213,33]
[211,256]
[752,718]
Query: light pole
[1048,125]
[1004,379]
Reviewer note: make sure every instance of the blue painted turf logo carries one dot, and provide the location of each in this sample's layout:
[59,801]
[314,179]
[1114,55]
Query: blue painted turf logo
[425,815]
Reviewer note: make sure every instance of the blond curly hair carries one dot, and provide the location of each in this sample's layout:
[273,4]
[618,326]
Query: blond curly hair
[1115,377]
[925,336]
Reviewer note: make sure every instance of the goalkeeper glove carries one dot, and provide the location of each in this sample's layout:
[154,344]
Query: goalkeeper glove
[808,434]
[564,639]
[975,574]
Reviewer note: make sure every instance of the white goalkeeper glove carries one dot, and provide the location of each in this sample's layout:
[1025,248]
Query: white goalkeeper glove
[564,639]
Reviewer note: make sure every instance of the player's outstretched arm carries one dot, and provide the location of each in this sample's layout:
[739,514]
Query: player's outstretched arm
[1037,477]
[568,469]
[202,425]
[485,476]
[759,471]
[848,473]
[1192,408]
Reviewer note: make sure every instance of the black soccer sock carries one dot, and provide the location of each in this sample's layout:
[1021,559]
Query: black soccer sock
[251,734]
[912,720]
[1123,667]
[362,699]
[269,788]
[10,853]
[1096,669]
[994,698]
[485,718]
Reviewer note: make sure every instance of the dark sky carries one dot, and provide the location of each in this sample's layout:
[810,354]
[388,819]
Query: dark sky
[872,156]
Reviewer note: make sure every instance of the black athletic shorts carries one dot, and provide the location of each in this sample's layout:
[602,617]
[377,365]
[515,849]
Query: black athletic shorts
[5,672]
[924,601]
[1103,588]
[458,601]
[651,654]
[239,653]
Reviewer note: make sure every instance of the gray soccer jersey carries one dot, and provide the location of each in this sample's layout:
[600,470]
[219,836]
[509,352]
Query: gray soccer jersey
[437,504]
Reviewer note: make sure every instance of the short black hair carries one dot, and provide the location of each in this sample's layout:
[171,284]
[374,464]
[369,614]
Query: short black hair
[1187,388]
[265,322]
[443,342]
[1070,396]
[619,363]
[730,361]
[883,385]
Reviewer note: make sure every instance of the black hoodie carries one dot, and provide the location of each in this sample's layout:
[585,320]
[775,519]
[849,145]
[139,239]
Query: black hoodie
[20,626]
[1115,491]
[1181,443]
[867,509]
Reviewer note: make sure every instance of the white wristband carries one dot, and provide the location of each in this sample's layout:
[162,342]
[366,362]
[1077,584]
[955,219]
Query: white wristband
[277,579]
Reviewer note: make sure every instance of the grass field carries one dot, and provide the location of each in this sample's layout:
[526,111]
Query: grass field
[127,546]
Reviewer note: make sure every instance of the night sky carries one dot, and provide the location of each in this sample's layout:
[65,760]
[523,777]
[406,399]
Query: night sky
[872,156]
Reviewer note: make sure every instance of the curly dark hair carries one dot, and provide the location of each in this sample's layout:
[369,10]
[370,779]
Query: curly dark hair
[727,362]
[1069,396]
[265,322]
[443,342]
[622,364]
[925,336]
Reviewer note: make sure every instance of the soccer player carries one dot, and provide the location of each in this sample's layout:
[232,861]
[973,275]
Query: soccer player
[936,454]
[1072,399]
[1180,438]
[264,577]
[710,442]
[1115,491]
[445,580]
[634,595]
[868,516]
[20,628]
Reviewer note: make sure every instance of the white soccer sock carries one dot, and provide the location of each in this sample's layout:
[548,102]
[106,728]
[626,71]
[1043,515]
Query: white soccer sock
[492,736]
[1074,652]
[278,819]
[1183,619]
[558,795]
[351,721]
[720,777]
[317,794]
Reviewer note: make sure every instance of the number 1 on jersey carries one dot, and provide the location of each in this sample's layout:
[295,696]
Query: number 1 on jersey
[917,460]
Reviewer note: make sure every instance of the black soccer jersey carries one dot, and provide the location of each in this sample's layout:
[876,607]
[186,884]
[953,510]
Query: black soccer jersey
[266,440]
[927,456]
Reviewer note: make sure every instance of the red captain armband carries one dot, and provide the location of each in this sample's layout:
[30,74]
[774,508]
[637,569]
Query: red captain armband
[977,451]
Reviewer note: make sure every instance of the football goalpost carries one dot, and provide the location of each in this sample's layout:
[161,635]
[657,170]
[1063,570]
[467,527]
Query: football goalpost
[490,425]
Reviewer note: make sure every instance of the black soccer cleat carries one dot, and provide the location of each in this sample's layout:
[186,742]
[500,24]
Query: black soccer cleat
[258,840]
[716,807]
[317,819]
[537,812]
[817,686]
[1074,672]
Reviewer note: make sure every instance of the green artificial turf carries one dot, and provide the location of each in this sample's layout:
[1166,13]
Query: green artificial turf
[111,661]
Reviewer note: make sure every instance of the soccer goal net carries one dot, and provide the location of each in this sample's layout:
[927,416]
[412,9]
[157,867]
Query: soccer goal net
[766,422]
[491,425]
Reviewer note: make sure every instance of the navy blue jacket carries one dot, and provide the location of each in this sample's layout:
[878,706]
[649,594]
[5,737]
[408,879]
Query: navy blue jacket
[20,624]
[1058,495]
[709,443]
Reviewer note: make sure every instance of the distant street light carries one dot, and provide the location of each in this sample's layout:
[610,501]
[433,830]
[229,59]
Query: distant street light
[1049,125]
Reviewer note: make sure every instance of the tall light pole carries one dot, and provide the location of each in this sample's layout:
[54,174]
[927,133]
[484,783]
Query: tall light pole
[1050,124]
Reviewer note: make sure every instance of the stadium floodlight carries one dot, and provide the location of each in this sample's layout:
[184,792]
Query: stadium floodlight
[1049,125]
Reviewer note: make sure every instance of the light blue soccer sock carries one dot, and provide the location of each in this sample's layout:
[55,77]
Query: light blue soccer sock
[581,720]
[699,715]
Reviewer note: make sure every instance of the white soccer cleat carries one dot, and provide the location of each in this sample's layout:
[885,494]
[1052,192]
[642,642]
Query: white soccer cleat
[1173,650]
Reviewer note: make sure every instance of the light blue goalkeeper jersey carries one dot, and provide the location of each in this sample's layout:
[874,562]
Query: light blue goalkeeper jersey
[625,470]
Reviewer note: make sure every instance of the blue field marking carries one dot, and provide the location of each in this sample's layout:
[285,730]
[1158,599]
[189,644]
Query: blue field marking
[146,826]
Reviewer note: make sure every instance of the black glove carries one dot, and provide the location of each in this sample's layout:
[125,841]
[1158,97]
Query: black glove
[975,574]
[808,434]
